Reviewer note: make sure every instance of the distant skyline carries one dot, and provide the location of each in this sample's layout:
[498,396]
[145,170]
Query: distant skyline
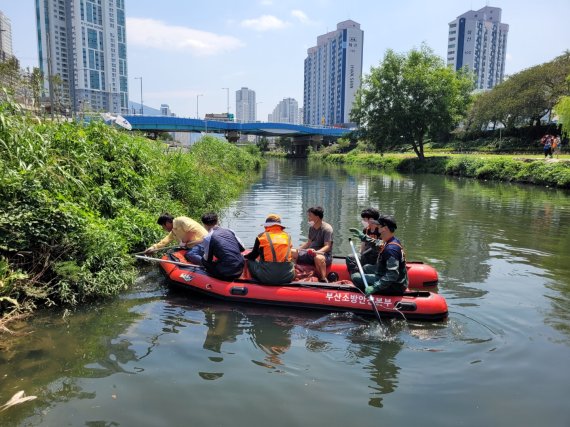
[182,50]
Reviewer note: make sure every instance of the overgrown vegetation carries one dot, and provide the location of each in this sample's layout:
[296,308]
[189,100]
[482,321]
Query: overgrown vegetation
[75,200]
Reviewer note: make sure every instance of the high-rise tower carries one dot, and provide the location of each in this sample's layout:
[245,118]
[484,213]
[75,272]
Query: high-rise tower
[333,71]
[82,48]
[478,40]
[5,38]
[246,107]
[287,111]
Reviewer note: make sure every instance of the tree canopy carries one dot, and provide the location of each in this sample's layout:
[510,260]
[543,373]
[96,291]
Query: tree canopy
[562,109]
[409,97]
[524,98]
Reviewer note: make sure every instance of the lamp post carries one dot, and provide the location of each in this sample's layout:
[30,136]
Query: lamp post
[197,98]
[227,89]
[142,108]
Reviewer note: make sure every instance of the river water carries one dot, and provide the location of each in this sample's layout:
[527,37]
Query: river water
[156,357]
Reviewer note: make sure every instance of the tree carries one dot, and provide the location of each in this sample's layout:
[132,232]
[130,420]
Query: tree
[409,97]
[284,143]
[562,109]
[36,84]
[60,89]
[263,144]
[10,75]
[525,97]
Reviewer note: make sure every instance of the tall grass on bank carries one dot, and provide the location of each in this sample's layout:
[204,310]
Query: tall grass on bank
[500,168]
[76,199]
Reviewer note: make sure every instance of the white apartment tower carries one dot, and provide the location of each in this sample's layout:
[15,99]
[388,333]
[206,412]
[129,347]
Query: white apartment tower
[84,43]
[333,71]
[5,38]
[246,108]
[478,40]
[287,111]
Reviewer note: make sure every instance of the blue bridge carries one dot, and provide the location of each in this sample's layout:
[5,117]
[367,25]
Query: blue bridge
[303,135]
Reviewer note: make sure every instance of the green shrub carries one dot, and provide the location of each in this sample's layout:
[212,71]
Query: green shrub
[76,199]
[502,168]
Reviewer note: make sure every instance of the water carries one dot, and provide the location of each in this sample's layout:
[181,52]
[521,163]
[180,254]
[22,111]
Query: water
[158,357]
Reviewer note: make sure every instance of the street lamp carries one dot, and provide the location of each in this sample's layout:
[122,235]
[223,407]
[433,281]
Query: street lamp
[197,98]
[142,107]
[228,91]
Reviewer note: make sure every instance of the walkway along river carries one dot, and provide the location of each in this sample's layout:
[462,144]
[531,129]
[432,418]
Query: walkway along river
[160,357]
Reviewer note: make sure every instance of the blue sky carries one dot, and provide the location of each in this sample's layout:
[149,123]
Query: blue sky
[187,48]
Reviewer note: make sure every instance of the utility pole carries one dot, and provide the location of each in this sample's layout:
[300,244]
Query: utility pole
[197,97]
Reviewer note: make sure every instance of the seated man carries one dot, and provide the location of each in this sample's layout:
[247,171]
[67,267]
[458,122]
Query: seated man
[273,247]
[224,245]
[389,276]
[368,250]
[317,250]
[188,232]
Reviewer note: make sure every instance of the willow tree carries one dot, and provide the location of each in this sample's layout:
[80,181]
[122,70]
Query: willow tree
[410,97]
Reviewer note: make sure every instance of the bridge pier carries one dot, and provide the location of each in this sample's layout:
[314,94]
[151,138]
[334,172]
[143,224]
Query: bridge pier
[300,144]
[232,136]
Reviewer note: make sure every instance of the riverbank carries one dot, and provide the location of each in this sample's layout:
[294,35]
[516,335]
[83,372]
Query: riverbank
[527,169]
[77,200]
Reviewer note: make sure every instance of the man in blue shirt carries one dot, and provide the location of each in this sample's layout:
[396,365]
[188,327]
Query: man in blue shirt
[223,245]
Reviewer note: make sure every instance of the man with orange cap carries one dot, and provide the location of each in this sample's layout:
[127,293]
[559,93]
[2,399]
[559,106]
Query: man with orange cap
[273,248]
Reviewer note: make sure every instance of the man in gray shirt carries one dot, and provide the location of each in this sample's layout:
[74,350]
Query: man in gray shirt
[317,250]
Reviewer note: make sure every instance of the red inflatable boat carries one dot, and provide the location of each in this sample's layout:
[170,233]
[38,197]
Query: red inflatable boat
[339,296]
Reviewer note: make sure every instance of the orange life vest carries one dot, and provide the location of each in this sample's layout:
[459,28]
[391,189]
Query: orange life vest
[275,246]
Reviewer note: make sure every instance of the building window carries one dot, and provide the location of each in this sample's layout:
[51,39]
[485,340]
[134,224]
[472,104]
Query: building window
[94,80]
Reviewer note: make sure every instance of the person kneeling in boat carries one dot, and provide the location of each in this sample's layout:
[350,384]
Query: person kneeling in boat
[188,232]
[368,250]
[273,248]
[223,245]
[389,275]
[317,250]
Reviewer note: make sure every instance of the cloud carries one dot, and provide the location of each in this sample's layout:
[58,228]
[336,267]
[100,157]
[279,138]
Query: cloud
[301,16]
[158,35]
[264,23]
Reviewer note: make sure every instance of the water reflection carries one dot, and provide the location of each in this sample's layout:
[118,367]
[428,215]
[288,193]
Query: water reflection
[371,347]
[268,330]
[382,368]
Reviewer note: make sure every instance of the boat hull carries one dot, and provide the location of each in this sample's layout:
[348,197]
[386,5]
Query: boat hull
[414,305]
[420,275]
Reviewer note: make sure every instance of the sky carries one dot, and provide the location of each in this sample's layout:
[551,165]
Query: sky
[187,51]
